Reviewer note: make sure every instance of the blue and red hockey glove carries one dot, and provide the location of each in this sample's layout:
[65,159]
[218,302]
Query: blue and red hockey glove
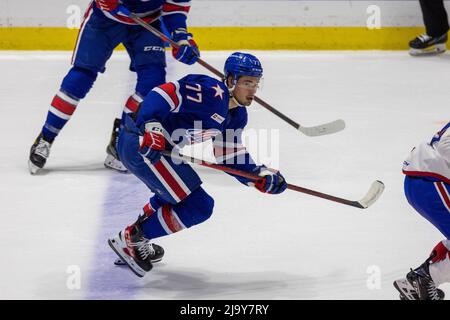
[188,52]
[154,142]
[270,182]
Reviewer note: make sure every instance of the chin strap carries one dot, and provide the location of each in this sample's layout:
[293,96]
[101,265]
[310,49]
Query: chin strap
[232,98]
[230,90]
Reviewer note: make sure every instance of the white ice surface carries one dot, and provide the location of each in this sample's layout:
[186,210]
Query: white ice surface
[255,246]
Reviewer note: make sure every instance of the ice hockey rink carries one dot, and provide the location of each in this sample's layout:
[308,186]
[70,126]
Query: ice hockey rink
[55,225]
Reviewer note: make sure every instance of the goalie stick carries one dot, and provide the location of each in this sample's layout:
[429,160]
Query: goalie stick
[314,131]
[375,190]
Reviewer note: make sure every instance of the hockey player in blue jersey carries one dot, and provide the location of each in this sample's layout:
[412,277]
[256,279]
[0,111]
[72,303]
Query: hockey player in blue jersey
[103,29]
[193,109]
[427,189]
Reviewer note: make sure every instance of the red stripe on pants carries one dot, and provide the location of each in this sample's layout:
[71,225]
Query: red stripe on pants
[443,192]
[170,180]
[86,15]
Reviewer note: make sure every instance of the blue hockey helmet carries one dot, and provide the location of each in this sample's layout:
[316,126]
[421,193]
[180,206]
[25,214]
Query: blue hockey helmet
[242,64]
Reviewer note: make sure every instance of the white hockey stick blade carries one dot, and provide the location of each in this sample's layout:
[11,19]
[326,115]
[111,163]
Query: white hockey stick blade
[327,128]
[375,191]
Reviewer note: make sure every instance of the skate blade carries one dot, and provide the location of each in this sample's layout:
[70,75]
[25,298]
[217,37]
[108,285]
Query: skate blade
[33,168]
[127,260]
[114,164]
[431,51]
[120,262]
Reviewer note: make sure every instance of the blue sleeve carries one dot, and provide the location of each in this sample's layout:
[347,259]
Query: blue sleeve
[230,151]
[154,107]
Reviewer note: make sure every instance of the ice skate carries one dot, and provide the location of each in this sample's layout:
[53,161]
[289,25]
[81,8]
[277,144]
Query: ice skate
[39,153]
[406,290]
[112,159]
[420,279]
[426,45]
[136,251]
[159,254]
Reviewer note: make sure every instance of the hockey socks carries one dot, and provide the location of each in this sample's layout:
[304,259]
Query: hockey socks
[60,111]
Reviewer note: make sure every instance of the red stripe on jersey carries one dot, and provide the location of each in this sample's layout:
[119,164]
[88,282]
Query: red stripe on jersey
[171,91]
[63,105]
[148,211]
[426,174]
[170,180]
[169,7]
[132,104]
[443,193]
[170,220]
[148,19]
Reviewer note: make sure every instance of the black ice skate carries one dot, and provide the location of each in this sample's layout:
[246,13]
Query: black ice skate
[157,257]
[426,45]
[39,152]
[112,159]
[135,250]
[406,290]
[420,279]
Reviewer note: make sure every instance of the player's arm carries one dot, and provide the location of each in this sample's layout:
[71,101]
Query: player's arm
[174,15]
[229,151]
[158,103]
[153,110]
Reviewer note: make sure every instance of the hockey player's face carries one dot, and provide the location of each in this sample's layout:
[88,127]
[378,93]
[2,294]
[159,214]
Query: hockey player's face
[245,90]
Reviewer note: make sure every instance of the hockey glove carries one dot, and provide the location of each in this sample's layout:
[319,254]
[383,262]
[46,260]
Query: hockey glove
[440,252]
[271,182]
[188,52]
[153,142]
[108,5]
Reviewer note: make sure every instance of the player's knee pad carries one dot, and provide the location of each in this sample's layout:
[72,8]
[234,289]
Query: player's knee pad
[148,77]
[200,205]
[78,82]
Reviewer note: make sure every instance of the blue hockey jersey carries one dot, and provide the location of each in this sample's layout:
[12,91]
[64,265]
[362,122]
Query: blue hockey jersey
[195,109]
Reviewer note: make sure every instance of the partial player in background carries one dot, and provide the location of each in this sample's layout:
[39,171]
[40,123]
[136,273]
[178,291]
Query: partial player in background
[427,188]
[193,109]
[102,30]
[436,25]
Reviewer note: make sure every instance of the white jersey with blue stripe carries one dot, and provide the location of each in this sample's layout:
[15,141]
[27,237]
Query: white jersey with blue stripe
[431,159]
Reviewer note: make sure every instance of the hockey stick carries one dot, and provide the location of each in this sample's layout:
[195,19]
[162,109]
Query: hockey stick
[375,191]
[327,128]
